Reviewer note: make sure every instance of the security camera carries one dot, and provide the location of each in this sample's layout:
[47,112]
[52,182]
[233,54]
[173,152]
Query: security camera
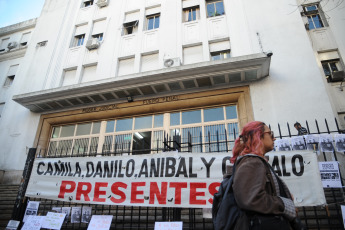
[269,53]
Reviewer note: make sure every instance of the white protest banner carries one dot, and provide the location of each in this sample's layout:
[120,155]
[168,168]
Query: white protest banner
[140,180]
[100,222]
[53,220]
[168,225]
[300,171]
[330,175]
[33,223]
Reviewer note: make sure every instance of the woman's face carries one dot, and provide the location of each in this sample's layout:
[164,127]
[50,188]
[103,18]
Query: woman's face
[267,140]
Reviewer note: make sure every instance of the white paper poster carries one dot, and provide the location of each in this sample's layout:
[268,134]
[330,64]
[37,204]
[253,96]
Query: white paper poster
[168,225]
[100,222]
[12,225]
[86,214]
[53,220]
[33,223]
[76,215]
[31,209]
[67,211]
[282,145]
[340,142]
[326,143]
[330,175]
[298,143]
[312,142]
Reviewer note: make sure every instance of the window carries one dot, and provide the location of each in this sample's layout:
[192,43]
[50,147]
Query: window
[79,35]
[98,29]
[2,105]
[24,40]
[149,62]
[191,14]
[192,54]
[314,15]
[87,3]
[153,21]
[126,66]
[130,27]
[4,44]
[89,73]
[69,77]
[98,36]
[330,68]
[220,55]
[79,40]
[212,125]
[10,75]
[214,8]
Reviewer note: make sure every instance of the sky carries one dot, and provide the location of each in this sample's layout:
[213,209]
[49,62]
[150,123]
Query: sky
[15,11]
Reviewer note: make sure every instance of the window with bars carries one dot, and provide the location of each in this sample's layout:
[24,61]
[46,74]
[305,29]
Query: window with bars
[198,130]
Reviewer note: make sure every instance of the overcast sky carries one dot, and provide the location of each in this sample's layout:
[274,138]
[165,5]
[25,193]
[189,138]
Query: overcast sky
[14,11]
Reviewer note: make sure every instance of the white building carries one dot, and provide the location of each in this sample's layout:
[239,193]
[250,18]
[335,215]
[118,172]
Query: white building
[99,73]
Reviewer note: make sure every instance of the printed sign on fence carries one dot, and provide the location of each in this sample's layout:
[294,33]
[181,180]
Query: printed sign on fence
[168,225]
[157,180]
[100,222]
[53,220]
[330,175]
[33,223]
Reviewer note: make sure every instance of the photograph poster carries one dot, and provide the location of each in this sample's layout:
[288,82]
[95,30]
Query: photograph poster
[326,143]
[312,141]
[340,142]
[31,209]
[86,214]
[67,211]
[298,143]
[76,215]
[282,145]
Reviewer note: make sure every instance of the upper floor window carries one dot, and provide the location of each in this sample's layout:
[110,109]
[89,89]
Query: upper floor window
[79,40]
[191,14]
[332,68]
[87,3]
[99,37]
[153,21]
[314,15]
[24,39]
[220,55]
[2,105]
[4,43]
[130,27]
[215,8]
[10,75]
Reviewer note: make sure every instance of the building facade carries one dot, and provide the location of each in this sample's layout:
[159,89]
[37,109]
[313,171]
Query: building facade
[103,76]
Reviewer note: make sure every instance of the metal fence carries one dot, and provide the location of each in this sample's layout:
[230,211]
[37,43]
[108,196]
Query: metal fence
[128,217]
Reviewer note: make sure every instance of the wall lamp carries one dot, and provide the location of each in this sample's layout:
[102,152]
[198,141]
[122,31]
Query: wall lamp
[129,98]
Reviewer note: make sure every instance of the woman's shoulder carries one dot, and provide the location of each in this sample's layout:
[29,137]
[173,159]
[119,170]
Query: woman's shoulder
[251,160]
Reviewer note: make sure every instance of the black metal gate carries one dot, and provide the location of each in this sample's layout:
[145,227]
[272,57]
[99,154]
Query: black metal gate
[128,217]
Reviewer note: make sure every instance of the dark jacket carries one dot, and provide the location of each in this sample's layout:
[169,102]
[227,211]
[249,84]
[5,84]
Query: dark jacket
[255,190]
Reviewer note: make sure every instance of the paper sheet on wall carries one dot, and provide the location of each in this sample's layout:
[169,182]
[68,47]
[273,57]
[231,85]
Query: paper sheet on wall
[33,223]
[31,209]
[53,220]
[330,175]
[100,222]
[168,226]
